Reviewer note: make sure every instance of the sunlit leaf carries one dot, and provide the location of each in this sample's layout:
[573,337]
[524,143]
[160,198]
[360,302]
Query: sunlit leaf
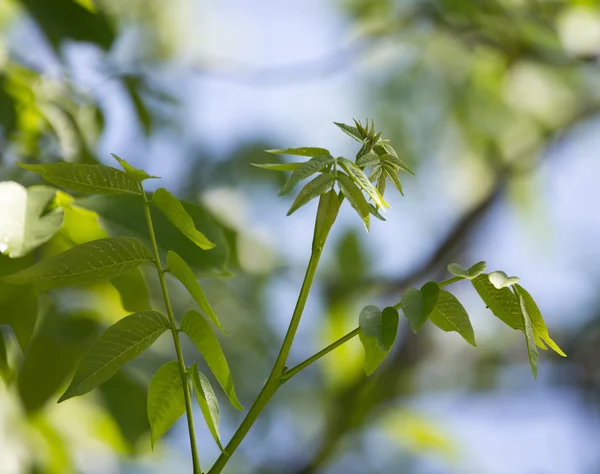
[311,190]
[393,174]
[92,262]
[138,175]
[450,315]
[86,178]
[329,206]
[532,351]
[361,180]
[25,220]
[166,402]
[123,215]
[417,305]
[208,402]
[305,170]
[540,331]
[473,272]
[304,151]
[355,197]
[396,162]
[277,166]
[177,266]
[377,333]
[502,302]
[119,344]
[368,159]
[201,334]
[173,210]
[350,131]
[500,280]
[375,174]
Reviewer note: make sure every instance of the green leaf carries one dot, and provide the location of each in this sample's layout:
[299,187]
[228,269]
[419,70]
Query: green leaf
[304,151]
[375,174]
[396,162]
[173,210]
[377,333]
[375,212]
[382,325]
[473,272]
[166,400]
[311,190]
[329,206]
[500,280]
[19,310]
[52,356]
[501,302]
[201,334]
[368,159]
[382,183]
[94,261]
[361,179]
[121,343]
[25,222]
[305,170]
[540,331]
[208,403]
[450,315]
[532,351]
[393,174]
[177,266]
[417,305]
[123,215]
[277,166]
[94,179]
[355,197]
[138,175]
[350,131]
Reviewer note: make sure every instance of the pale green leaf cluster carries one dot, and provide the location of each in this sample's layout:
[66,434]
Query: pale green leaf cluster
[363,192]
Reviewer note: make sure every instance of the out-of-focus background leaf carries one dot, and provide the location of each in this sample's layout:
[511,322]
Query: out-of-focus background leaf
[493,103]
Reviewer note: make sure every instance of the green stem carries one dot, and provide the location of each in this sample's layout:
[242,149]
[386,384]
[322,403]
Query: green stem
[175,334]
[275,378]
[303,365]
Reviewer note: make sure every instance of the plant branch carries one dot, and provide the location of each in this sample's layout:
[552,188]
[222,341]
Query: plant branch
[174,333]
[275,378]
[288,374]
